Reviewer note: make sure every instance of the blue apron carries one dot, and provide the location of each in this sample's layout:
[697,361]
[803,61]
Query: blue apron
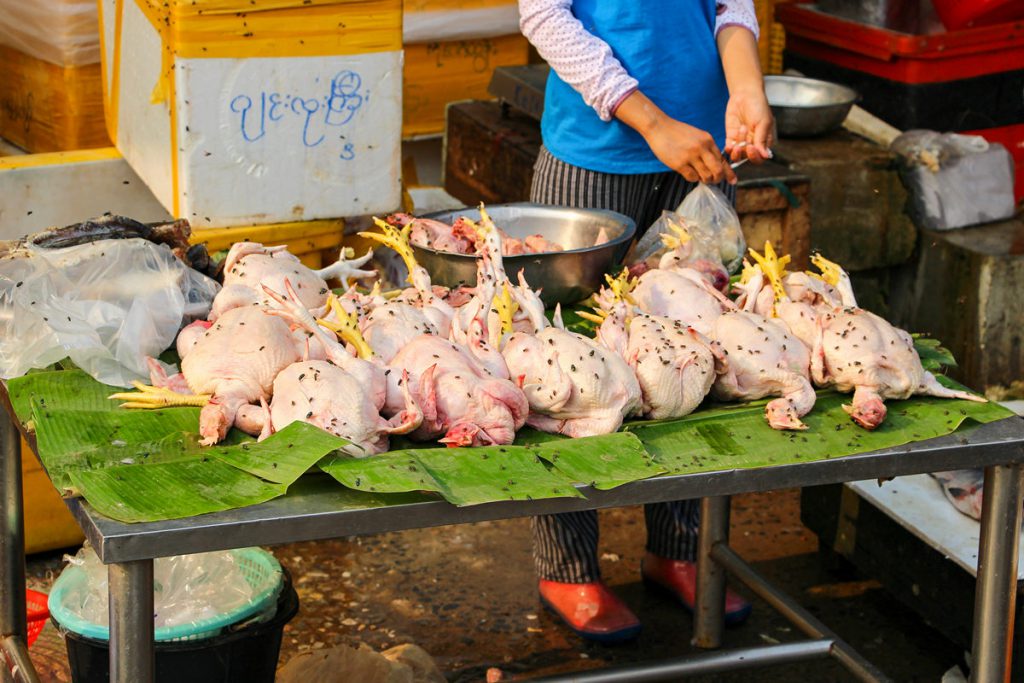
[669,47]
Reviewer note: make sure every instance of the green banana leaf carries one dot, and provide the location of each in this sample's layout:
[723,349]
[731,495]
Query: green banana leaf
[171,490]
[147,465]
[732,437]
[546,469]
[59,390]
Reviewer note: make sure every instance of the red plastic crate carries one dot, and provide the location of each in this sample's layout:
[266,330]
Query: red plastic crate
[37,613]
[1011,137]
[902,57]
[957,14]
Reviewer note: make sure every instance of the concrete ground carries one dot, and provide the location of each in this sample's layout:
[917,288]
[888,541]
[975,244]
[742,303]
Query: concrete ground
[466,594]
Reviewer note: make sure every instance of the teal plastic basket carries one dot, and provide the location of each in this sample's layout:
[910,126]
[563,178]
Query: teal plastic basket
[258,567]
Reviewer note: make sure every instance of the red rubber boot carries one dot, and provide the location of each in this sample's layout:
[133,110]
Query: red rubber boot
[680,579]
[591,610]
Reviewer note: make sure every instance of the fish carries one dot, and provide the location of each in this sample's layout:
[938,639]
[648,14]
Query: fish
[964,489]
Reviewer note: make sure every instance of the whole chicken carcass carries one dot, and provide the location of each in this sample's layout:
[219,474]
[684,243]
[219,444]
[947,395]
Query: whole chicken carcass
[236,361]
[858,351]
[681,294]
[853,349]
[575,385]
[250,265]
[759,357]
[674,367]
[461,401]
[342,395]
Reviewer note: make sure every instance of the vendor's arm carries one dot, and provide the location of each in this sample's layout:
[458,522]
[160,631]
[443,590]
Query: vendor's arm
[587,63]
[748,118]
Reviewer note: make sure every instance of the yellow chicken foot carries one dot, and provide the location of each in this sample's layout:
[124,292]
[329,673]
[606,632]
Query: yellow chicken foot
[505,307]
[622,285]
[774,268]
[831,272]
[678,237]
[148,397]
[396,239]
[346,327]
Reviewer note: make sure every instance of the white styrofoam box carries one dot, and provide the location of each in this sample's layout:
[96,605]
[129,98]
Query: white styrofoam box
[39,191]
[918,504]
[243,141]
[61,32]
[459,23]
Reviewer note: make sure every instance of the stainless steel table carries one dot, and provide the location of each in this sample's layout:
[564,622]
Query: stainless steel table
[318,508]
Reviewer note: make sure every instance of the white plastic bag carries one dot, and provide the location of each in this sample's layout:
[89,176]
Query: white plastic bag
[106,305]
[63,32]
[187,589]
[708,208]
[955,181]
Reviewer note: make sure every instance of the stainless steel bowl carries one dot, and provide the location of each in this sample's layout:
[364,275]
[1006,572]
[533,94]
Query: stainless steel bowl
[563,276]
[805,107]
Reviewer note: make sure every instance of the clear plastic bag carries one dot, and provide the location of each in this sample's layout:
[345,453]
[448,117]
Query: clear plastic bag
[697,248]
[708,208]
[63,32]
[106,305]
[187,589]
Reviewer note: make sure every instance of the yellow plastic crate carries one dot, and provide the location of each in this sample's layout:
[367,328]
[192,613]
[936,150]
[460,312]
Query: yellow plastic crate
[312,241]
[48,524]
[773,36]
[438,73]
[50,108]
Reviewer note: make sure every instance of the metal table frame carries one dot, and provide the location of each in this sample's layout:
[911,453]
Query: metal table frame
[320,509]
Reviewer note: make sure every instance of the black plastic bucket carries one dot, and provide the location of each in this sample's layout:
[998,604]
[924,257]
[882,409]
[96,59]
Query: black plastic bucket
[246,655]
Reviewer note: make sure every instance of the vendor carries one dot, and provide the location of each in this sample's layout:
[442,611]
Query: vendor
[644,98]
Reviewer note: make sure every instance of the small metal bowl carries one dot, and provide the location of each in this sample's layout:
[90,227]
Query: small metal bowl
[805,107]
[562,276]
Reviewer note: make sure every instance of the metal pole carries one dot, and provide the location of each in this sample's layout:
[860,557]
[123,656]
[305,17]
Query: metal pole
[727,558]
[709,608]
[704,663]
[12,534]
[19,664]
[995,597]
[131,622]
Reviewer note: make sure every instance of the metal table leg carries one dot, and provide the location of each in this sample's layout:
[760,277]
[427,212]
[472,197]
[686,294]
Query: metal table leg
[709,608]
[131,622]
[996,595]
[13,624]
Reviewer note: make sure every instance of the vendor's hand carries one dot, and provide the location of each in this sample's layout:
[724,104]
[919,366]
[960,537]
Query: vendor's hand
[749,126]
[690,151]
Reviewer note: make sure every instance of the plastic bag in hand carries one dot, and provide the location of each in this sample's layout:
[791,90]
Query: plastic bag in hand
[106,305]
[674,242]
[709,209]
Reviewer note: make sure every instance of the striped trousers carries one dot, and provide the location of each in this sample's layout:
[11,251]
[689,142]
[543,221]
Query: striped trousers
[565,545]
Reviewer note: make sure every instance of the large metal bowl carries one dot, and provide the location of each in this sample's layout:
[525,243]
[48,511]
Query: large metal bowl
[805,107]
[563,276]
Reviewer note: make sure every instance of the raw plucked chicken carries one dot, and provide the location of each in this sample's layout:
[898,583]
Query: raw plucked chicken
[674,367]
[461,401]
[853,349]
[343,395]
[250,265]
[681,294]
[759,357]
[236,361]
[460,238]
[575,386]
[673,364]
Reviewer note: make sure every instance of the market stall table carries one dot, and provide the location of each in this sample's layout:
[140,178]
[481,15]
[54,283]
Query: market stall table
[317,509]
